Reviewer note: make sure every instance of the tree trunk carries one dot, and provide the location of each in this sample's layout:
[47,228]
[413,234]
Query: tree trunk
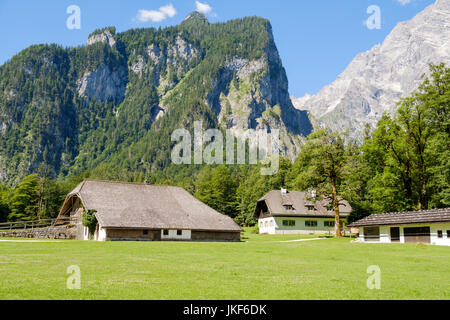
[337,220]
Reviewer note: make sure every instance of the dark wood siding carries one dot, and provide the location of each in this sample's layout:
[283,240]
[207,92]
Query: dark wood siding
[215,236]
[415,235]
[372,233]
[132,235]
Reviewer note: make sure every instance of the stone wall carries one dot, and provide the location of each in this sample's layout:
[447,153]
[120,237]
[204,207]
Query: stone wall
[63,232]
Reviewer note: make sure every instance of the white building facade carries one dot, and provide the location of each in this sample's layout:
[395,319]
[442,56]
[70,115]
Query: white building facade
[428,227]
[294,212]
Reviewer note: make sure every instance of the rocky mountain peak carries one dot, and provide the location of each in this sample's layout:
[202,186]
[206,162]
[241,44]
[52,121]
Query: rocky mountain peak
[195,18]
[103,35]
[375,80]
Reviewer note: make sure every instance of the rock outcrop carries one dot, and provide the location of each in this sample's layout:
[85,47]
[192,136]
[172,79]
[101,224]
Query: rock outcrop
[104,84]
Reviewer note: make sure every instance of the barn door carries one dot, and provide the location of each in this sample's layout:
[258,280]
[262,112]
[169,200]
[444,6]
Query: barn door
[415,235]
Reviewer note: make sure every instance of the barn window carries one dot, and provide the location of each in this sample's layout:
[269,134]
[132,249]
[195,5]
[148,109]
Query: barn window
[311,223]
[179,232]
[145,232]
[166,232]
[440,235]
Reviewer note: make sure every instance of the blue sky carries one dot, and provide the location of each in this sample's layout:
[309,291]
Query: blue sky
[316,39]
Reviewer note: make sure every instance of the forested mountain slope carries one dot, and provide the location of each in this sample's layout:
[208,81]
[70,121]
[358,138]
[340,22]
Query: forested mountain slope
[117,100]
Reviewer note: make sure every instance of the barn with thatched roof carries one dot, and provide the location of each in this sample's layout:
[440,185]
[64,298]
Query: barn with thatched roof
[130,211]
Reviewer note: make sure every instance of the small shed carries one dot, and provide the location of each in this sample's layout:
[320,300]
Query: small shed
[426,226]
[131,211]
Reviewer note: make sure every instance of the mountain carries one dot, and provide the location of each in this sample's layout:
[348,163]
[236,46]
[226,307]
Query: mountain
[375,80]
[116,101]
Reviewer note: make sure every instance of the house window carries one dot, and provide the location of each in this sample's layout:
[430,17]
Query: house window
[145,232]
[330,207]
[179,232]
[166,232]
[440,235]
[288,207]
[329,224]
[448,233]
[311,208]
[289,223]
[311,223]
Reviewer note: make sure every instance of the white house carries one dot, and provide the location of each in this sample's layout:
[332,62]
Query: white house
[429,226]
[296,212]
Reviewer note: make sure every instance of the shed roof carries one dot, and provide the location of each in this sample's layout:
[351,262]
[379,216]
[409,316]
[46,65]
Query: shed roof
[409,217]
[299,200]
[143,206]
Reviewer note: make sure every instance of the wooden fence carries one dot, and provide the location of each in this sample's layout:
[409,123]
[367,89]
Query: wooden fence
[24,225]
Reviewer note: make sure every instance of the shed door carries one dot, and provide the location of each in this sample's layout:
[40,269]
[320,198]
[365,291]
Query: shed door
[395,234]
[415,235]
[372,233]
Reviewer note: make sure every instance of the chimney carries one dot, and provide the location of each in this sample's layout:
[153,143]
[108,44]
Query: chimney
[313,193]
[283,191]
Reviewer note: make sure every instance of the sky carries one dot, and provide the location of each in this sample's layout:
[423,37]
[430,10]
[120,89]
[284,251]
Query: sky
[316,39]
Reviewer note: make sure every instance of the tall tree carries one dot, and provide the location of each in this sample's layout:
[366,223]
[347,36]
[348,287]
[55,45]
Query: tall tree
[4,206]
[24,202]
[217,188]
[319,166]
[409,152]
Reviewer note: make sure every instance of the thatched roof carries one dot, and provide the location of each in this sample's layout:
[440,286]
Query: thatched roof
[276,201]
[143,206]
[410,217]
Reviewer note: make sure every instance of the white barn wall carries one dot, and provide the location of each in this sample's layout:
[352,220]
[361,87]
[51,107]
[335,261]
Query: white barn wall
[186,235]
[385,236]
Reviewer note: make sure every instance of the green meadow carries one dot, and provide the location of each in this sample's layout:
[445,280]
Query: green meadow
[260,267]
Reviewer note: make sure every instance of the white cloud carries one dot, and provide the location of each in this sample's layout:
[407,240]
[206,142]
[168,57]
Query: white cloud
[404,2]
[163,13]
[203,7]
[168,10]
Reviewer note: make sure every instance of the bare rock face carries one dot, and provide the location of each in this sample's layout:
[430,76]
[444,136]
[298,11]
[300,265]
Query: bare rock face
[176,59]
[250,95]
[375,80]
[105,36]
[104,84]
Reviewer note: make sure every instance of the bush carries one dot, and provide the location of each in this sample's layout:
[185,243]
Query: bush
[90,221]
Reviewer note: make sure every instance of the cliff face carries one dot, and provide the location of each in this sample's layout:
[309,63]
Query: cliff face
[375,80]
[120,97]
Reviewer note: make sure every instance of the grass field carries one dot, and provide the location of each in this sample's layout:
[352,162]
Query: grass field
[261,268]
